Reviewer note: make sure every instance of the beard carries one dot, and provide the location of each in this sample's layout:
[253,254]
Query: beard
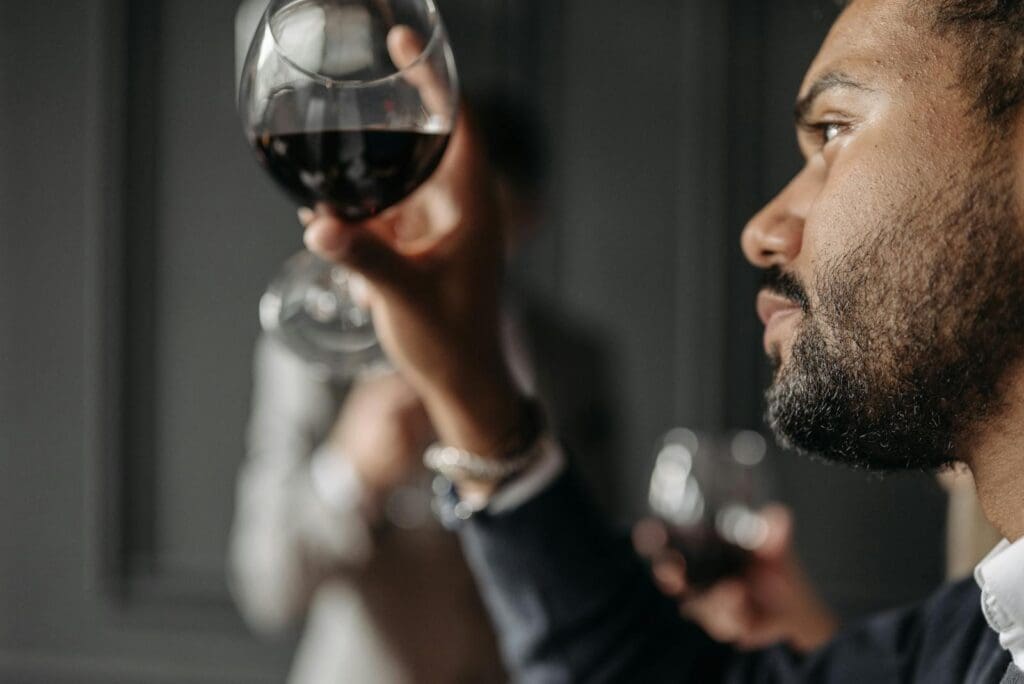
[900,360]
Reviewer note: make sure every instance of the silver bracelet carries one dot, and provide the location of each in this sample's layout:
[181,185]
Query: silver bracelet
[459,465]
[519,449]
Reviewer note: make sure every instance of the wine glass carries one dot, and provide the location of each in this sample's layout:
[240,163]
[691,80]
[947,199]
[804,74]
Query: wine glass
[348,104]
[708,490]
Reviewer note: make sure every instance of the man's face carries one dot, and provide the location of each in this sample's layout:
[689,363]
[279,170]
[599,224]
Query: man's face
[894,300]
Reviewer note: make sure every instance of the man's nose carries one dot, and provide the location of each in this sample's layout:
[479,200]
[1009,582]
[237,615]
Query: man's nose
[775,235]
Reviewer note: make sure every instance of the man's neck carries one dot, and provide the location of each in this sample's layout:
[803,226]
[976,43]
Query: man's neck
[997,462]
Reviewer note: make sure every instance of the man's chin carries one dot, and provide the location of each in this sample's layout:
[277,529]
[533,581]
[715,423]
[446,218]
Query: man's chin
[826,427]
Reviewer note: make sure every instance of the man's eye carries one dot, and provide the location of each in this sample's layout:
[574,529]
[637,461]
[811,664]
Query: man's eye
[829,131]
[816,134]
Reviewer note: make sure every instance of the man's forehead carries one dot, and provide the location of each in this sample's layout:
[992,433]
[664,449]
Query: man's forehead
[873,39]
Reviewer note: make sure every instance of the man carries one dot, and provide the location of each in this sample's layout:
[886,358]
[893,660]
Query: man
[893,310]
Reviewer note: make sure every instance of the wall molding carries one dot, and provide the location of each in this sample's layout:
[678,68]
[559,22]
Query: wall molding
[124,565]
[702,200]
[102,341]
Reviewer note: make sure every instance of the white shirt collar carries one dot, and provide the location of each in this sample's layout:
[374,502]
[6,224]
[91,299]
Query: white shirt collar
[1001,578]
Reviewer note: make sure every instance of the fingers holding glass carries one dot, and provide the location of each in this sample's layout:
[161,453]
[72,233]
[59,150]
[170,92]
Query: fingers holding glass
[406,48]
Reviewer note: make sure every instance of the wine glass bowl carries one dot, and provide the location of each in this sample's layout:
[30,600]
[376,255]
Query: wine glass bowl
[349,102]
[349,106]
[708,489]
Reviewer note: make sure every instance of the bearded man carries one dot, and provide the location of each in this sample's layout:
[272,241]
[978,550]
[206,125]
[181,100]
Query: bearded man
[894,312]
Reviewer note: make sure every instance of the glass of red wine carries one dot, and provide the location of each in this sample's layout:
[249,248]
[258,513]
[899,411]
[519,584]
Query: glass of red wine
[707,489]
[349,105]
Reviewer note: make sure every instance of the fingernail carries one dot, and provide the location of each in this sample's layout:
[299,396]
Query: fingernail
[325,236]
[306,215]
[360,290]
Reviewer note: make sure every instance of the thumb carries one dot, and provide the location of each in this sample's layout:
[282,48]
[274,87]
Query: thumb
[358,248]
[778,539]
[405,47]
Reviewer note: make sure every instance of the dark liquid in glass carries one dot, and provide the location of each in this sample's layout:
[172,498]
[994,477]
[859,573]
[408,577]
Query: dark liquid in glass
[359,173]
[709,558]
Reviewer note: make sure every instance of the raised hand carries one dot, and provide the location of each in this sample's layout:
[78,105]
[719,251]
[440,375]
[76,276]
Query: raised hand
[434,266]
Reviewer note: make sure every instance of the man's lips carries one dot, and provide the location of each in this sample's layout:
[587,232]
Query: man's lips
[770,305]
[775,311]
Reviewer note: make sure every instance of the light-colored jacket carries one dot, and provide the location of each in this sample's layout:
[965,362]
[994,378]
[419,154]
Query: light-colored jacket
[380,603]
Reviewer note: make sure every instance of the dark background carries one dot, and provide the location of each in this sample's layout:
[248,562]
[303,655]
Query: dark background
[136,235]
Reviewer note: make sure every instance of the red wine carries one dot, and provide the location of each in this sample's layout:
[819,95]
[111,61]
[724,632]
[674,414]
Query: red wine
[359,173]
[709,557]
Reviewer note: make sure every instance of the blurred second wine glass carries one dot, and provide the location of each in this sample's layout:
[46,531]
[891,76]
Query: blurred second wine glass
[708,490]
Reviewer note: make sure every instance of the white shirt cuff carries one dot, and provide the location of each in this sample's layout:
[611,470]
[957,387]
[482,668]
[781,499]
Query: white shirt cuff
[531,482]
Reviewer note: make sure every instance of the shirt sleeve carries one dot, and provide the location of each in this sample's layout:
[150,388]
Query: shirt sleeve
[570,600]
[539,476]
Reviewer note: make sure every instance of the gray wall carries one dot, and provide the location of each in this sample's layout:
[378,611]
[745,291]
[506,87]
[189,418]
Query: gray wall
[136,235]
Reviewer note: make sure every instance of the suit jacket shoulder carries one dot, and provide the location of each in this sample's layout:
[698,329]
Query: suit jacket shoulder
[573,604]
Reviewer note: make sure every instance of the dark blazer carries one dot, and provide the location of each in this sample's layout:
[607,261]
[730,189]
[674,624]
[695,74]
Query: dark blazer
[572,603]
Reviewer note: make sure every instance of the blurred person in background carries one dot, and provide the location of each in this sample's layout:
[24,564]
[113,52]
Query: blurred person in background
[894,309]
[333,526]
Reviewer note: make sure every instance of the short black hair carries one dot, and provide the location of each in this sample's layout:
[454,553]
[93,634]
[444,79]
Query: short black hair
[990,37]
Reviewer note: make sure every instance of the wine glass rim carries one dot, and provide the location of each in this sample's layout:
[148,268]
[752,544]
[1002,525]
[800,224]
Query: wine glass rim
[436,27]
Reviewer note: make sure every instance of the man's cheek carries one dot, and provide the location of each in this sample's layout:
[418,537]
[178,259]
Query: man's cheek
[831,231]
[857,196]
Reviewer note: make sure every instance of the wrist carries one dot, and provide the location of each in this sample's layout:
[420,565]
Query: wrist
[479,415]
[507,448]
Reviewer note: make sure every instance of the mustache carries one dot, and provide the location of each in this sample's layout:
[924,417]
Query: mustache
[780,282]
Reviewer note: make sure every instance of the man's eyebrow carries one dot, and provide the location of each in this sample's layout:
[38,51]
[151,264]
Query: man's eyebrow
[830,81]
